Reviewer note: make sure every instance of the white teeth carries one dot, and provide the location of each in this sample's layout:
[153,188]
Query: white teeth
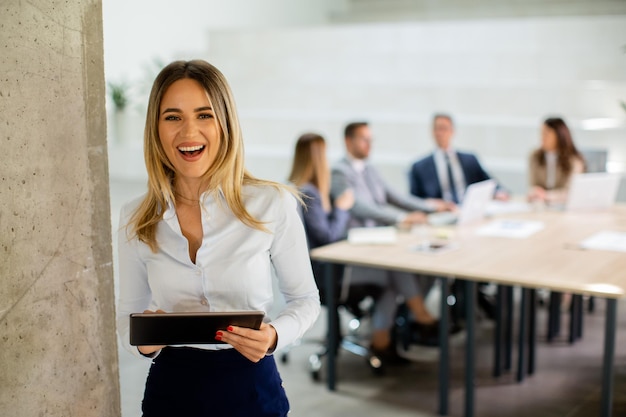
[191,148]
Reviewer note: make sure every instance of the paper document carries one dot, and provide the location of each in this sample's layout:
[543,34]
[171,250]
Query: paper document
[517,229]
[606,240]
[372,235]
[506,207]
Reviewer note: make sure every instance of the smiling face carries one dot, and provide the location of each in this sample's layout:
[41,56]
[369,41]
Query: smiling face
[188,130]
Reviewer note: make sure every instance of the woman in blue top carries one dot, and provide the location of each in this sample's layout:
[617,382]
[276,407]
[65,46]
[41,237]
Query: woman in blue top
[326,222]
[208,236]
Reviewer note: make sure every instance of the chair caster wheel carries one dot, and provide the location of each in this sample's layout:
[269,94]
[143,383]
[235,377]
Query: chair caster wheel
[315,376]
[375,364]
[315,367]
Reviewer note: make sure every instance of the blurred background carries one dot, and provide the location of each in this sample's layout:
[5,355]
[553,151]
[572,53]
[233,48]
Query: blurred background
[498,67]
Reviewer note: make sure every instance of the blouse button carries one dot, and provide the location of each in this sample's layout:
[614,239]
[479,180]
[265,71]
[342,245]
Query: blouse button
[204,302]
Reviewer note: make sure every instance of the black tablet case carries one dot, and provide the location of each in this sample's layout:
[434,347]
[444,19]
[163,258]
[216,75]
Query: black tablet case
[187,328]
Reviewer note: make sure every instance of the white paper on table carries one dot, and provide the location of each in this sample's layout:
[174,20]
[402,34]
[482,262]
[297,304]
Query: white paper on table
[517,229]
[372,235]
[606,240]
[495,207]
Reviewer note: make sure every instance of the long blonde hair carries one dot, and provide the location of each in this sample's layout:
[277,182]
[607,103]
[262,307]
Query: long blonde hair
[227,173]
[311,166]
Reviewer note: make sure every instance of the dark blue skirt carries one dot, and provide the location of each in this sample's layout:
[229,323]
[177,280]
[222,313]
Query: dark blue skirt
[201,383]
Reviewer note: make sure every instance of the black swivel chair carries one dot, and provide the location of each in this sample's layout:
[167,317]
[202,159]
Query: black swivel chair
[351,298]
[355,299]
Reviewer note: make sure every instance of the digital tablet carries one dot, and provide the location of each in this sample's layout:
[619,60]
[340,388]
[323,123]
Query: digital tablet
[187,328]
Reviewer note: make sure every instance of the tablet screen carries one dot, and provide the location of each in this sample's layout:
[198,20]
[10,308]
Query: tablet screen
[187,328]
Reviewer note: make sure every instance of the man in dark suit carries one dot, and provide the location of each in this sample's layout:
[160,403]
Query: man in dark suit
[446,173]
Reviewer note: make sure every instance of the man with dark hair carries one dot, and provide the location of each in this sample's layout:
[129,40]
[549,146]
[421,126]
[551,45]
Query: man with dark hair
[377,204]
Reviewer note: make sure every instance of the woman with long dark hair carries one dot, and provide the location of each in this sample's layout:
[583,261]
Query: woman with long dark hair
[552,166]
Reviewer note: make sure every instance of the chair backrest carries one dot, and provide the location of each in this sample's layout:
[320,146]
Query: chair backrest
[595,159]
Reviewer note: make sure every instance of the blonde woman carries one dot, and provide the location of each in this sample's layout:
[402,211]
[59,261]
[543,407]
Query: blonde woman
[206,237]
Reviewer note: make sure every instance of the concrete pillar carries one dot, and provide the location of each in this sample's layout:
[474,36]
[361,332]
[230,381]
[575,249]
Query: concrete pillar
[58,354]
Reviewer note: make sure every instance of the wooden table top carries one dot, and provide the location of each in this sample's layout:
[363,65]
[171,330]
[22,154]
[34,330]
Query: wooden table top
[550,258]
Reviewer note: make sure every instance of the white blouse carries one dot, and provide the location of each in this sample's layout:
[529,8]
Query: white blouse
[234,266]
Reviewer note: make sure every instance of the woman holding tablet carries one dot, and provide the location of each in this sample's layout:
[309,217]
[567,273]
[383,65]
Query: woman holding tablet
[208,236]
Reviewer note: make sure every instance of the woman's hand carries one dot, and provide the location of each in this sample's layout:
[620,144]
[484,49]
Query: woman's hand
[253,344]
[149,350]
[345,200]
[537,193]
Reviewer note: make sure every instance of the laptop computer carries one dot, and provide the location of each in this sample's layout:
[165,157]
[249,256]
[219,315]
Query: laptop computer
[592,191]
[474,207]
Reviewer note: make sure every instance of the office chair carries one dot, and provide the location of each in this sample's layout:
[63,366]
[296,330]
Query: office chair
[355,299]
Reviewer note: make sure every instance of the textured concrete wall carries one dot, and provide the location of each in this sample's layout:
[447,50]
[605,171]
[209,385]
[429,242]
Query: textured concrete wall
[58,353]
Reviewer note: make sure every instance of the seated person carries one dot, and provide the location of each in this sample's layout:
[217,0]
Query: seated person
[446,173]
[324,221]
[376,204]
[552,166]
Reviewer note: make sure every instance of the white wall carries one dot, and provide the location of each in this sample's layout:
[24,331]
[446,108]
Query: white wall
[499,78]
[292,71]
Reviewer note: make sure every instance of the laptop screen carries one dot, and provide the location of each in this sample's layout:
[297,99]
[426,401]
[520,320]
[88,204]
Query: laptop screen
[592,191]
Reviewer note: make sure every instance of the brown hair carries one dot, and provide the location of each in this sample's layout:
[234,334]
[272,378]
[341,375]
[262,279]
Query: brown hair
[310,165]
[566,150]
[351,128]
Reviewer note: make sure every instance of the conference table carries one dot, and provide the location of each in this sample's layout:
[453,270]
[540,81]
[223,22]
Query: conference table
[551,257]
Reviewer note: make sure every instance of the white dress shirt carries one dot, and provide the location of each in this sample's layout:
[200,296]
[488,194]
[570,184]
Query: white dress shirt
[442,173]
[234,266]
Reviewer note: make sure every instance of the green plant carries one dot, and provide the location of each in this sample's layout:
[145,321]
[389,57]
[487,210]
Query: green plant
[119,95]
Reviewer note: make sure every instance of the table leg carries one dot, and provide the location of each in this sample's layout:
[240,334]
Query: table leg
[581,317]
[497,343]
[573,317]
[554,315]
[508,330]
[470,357]
[444,358]
[609,353]
[532,330]
[521,341]
[332,330]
